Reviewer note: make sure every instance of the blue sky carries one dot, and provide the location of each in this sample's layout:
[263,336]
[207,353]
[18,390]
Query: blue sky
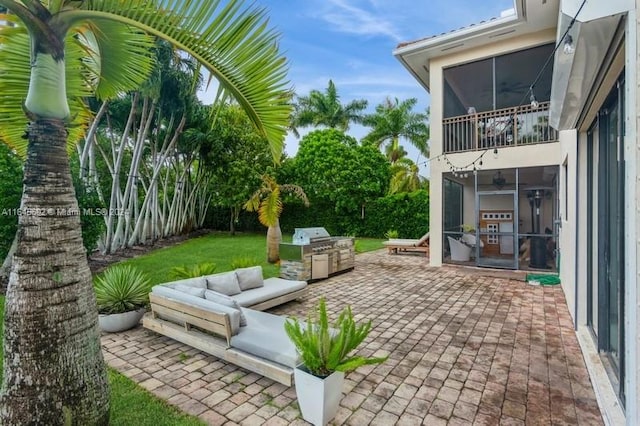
[351,42]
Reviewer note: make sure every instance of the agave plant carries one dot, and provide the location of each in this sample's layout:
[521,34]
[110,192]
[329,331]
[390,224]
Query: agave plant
[325,349]
[121,288]
[183,272]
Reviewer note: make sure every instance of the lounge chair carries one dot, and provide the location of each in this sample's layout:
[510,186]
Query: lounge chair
[399,245]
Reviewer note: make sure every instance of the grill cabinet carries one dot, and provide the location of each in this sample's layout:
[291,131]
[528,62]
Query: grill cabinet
[314,254]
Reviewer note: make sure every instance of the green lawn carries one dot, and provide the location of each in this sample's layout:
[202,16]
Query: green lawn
[220,249]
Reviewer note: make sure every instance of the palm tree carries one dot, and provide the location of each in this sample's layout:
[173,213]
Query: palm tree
[54,372]
[267,201]
[394,120]
[325,109]
[405,177]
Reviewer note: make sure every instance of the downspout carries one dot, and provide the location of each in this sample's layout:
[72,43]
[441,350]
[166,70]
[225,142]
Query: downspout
[577,233]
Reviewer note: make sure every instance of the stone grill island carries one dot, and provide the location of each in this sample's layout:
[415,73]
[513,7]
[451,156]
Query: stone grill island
[314,255]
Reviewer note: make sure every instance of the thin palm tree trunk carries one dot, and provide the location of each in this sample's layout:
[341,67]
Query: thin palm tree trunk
[54,371]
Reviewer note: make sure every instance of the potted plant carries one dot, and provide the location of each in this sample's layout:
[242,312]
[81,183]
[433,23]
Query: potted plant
[122,292]
[324,352]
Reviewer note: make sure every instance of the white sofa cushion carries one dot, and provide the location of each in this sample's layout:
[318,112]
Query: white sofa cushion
[249,278]
[170,293]
[225,300]
[272,288]
[198,282]
[264,336]
[225,283]
[194,291]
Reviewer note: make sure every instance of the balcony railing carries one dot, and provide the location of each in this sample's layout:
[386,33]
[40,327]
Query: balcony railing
[523,125]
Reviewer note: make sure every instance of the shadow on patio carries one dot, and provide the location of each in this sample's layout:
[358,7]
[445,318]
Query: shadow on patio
[465,348]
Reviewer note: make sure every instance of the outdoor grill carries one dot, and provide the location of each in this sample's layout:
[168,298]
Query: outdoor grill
[313,254]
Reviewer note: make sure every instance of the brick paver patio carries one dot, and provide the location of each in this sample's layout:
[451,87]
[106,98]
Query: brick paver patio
[464,348]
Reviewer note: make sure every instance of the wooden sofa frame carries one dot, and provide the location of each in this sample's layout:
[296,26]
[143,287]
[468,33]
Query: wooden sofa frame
[209,332]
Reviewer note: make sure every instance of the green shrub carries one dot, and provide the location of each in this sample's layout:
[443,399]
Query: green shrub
[243,262]
[324,350]
[183,272]
[390,234]
[121,288]
[10,194]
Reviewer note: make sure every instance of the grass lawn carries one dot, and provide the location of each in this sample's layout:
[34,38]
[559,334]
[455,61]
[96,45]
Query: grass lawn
[220,249]
[130,404]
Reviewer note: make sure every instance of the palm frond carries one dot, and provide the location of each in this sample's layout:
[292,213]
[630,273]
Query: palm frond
[118,55]
[232,41]
[270,208]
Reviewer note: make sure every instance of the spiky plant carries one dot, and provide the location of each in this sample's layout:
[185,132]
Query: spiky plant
[326,349]
[183,272]
[121,288]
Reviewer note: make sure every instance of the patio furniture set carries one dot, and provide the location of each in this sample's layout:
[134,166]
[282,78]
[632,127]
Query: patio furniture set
[220,314]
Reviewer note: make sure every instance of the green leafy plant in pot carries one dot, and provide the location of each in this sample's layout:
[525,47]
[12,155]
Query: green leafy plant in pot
[325,354]
[122,293]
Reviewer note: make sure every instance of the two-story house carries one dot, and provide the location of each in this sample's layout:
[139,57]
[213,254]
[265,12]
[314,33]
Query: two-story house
[534,153]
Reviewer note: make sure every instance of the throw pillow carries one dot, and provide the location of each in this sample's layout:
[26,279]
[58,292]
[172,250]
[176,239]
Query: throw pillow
[198,282]
[225,300]
[226,283]
[249,278]
[194,291]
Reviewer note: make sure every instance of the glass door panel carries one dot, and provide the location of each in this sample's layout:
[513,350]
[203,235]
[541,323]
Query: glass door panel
[496,229]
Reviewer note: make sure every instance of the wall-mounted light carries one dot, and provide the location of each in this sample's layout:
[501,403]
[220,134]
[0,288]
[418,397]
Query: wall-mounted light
[568,48]
[533,100]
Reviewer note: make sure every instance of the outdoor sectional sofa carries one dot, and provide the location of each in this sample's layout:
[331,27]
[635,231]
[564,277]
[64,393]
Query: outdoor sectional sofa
[221,314]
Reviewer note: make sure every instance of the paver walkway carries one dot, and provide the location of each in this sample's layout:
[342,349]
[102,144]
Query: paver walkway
[463,348]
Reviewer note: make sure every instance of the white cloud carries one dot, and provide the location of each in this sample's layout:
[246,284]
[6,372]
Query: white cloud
[348,18]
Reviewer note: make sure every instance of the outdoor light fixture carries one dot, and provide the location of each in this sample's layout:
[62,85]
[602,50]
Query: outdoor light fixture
[568,48]
[498,180]
[532,99]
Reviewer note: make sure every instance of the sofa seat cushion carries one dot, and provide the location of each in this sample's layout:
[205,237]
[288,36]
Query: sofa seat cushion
[168,292]
[264,336]
[225,283]
[272,288]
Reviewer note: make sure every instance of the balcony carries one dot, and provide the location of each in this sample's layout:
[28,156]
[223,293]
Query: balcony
[508,127]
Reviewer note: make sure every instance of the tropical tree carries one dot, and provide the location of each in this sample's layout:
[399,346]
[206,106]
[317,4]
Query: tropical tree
[395,120]
[236,155]
[405,177]
[325,109]
[267,201]
[54,372]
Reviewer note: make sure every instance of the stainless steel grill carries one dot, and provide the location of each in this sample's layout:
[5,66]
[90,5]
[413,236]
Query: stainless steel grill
[314,254]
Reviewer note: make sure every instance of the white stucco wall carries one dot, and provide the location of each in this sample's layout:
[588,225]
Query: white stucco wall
[567,237]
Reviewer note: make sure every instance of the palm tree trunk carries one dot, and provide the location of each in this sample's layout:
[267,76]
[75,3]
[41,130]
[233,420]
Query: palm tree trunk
[274,238]
[54,372]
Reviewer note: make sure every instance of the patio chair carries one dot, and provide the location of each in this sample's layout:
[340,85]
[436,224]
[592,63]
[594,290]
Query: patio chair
[405,245]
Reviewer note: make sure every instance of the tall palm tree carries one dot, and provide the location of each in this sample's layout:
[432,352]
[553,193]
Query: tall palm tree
[267,201]
[405,177]
[53,367]
[394,120]
[325,109]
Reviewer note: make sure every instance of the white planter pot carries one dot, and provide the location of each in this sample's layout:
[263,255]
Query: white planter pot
[113,323]
[318,398]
